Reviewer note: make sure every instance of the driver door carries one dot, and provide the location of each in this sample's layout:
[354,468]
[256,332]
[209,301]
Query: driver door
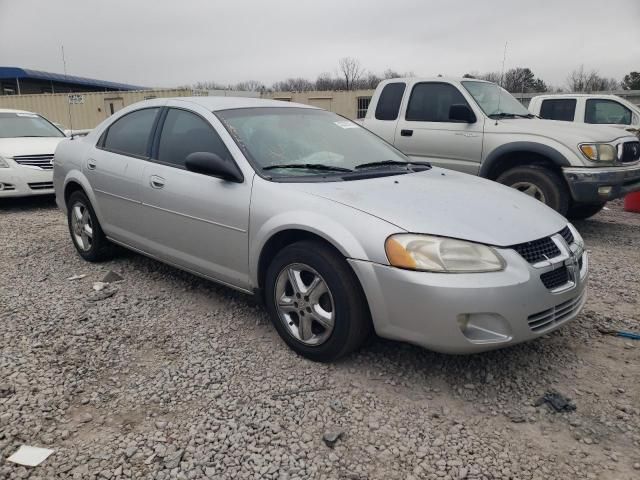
[192,220]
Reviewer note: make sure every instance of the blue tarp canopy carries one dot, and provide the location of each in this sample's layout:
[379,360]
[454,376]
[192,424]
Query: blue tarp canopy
[11,73]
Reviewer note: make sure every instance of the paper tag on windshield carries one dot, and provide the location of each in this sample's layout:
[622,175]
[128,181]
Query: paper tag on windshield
[29,115]
[346,124]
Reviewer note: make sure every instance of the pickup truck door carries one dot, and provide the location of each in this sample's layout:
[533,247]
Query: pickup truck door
[424,131]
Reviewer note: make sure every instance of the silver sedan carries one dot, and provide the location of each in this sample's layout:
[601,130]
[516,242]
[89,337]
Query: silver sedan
[337,231]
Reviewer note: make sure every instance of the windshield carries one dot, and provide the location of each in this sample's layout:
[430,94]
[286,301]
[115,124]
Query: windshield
[495,100]
[302,141]
[16,125]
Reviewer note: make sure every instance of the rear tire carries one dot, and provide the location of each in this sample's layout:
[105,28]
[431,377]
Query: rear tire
[86,232]
[540,183]
[322,323]
[584,211]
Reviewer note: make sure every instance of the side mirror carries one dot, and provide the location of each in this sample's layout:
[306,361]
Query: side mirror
[211,164]
[461,113]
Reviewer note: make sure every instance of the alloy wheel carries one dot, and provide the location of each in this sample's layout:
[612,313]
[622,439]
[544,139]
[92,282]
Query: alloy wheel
[81,226]
[530,189]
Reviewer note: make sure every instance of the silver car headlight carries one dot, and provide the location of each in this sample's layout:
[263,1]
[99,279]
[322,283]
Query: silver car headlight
[599,152]
[439,254]
[3,163]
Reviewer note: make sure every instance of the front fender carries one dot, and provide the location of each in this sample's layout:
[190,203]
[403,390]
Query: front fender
[558,154]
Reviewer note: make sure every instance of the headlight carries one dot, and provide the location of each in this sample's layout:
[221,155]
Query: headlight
[3,163]
[599,152]
[438,254]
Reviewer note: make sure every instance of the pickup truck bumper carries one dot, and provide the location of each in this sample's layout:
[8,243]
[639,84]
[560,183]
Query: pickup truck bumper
[597,185]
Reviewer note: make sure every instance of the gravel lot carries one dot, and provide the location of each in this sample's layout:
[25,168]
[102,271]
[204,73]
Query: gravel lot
[164,375]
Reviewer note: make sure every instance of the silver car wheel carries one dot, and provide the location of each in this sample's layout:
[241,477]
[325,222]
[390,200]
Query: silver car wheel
[530,189]
[81,226]
[305,304]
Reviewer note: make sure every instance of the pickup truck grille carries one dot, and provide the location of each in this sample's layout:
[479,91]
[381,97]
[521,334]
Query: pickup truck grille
[41,161]
[630,152]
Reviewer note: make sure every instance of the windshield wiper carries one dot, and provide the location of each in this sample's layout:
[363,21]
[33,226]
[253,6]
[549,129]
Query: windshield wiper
[385,163]
[511,115]
[308,166]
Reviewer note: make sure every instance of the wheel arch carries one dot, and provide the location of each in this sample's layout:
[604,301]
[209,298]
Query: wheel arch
[518,154]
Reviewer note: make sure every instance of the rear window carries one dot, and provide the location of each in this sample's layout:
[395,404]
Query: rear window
[389,102]
[559,109]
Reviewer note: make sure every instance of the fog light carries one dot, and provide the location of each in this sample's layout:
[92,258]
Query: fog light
[484,327]
[604,190]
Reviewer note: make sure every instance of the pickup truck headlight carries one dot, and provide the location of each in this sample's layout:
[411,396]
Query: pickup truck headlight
[599,152]
[3,163]
[439,254]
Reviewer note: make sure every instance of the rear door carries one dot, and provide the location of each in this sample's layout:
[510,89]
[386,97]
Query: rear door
[425,131]
[563,109]
[193,220]
[114,169]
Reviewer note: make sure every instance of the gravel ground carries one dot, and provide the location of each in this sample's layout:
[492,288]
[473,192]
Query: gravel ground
[164,375]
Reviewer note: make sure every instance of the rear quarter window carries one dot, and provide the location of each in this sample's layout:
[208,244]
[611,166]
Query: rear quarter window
[389,102]
[558,109]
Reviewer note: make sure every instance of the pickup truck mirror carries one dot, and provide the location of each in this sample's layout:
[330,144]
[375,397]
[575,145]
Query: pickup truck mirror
[461,113]
[211,164]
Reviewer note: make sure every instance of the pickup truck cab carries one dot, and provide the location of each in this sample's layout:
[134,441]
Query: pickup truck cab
[477,127]
[588,108]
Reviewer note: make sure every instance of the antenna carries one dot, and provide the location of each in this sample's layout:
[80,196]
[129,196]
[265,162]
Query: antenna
[64,66]
[504,58]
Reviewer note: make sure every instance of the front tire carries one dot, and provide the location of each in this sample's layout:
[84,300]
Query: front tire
[540,183]
[316,302]
[584,211]
[86,232]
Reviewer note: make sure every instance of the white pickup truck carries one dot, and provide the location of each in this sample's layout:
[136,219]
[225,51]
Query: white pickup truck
[588,108]
[479,128]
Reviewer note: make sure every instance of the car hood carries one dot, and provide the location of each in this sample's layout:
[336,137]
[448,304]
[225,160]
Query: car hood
[11,147]
[446,203]
[566,132]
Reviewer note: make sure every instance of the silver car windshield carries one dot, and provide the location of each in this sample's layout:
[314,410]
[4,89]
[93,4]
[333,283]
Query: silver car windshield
[293,141]
[495,100]
[17,125]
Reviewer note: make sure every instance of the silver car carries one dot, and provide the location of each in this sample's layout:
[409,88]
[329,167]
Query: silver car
[337,231]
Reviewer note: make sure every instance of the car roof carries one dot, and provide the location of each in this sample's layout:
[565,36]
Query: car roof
[227,103]
[11,110]
[572,95]
[436,79]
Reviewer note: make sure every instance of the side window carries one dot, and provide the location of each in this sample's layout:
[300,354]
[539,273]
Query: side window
[606,111]
[430,102]
[184,133]
[389,101]
[130,135]
[559,109]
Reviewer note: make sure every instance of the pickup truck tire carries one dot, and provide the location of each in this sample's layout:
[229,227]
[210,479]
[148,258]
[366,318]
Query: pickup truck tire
[541,183]
[86,233]
[319,326]
[583,211]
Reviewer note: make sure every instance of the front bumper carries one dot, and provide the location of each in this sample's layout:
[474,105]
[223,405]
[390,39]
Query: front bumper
[468,313]
[597,185]
[25,181]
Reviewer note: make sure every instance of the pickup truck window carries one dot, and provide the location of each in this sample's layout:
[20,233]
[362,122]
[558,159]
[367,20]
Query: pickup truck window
[495,100]
[430,102]
[389,102]
[558,109]
[606,111]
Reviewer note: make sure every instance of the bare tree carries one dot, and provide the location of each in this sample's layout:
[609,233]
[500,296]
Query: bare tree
[250,86]
[351,71]
[581,80]
[325,82]
[293,85]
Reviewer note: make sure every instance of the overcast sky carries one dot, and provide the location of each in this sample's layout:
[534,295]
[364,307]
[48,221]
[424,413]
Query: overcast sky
[176,42]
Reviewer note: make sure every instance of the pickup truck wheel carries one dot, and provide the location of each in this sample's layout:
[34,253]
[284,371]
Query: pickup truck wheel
[86,233]
[582,211]
[540,183]
[316,302]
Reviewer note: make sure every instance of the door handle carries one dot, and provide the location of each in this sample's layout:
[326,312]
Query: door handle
[156,182]
[91,164]
[406,133]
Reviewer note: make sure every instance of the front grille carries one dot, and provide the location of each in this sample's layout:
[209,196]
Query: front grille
[556,315]
[555,278]
[567,235]
[41,185]
[41,161]
[537,250]
[630,152]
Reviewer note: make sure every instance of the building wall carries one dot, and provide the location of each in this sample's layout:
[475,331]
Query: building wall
[90,108]
[341,102]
